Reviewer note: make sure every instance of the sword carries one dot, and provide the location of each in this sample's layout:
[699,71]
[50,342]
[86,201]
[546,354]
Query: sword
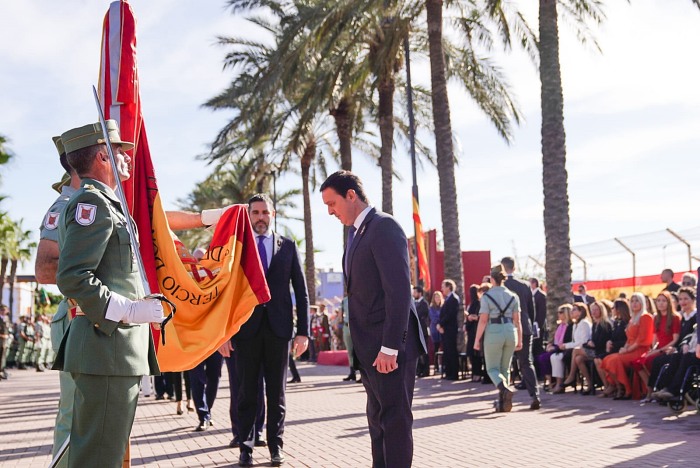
[129,220]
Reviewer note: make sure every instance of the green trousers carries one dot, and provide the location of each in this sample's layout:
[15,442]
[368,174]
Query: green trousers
[103,413]
[347,339]
[499,344]
[64,418]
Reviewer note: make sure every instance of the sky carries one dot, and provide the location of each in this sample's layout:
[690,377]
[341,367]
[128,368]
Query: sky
[632,115]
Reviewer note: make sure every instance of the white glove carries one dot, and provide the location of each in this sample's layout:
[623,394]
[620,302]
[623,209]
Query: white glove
[210,217]
[121,309]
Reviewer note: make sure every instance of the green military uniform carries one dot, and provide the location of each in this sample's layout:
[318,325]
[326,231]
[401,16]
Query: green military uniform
[25,349]
[59,325]
[5,340]
[106,358]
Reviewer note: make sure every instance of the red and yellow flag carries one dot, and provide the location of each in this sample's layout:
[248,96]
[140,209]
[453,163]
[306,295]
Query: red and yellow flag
[215,296]
[420,247]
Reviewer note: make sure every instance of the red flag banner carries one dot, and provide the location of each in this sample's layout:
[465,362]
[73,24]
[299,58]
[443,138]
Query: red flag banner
[420,247]
[210,308]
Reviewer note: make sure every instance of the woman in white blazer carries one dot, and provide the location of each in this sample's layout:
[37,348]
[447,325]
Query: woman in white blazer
[580,335]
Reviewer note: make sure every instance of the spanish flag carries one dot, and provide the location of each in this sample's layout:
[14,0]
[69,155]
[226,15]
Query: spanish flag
[420,246]
[214,296]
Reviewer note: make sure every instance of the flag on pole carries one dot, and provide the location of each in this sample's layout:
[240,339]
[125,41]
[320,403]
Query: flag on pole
[214,296]
[420,247]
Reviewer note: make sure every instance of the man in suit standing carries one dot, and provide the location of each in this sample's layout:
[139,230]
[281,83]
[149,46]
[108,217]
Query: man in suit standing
[383,319]
[448,327]
[527,316]
[423,310]
[539,299]
[667,277]
[582,296]
[262,344]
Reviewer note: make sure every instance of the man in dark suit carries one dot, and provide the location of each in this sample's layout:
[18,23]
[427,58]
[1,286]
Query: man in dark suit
[667,277]
[539,299]
[447,326]
[423,311]
[383,319]
[582,296]
[527,316]
[262,344]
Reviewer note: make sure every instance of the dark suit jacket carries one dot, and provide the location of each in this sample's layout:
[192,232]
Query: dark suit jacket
[540,300]
[381,309]
[285,267]
[587,299]
[423,311]
[527,308]
[448,315]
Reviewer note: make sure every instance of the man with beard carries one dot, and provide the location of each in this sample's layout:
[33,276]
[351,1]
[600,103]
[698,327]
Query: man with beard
[262,344]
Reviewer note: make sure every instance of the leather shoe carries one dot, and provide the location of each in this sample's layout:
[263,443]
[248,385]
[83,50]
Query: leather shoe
[536,403]
[245,459]
[295,380]
[350,377]
[260,443]
[520,386]
[203,426]
[277,457]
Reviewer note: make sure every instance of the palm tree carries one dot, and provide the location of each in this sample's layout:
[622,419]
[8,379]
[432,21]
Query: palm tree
[16,249]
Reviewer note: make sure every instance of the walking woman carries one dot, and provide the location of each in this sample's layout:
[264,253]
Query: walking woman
[499,324]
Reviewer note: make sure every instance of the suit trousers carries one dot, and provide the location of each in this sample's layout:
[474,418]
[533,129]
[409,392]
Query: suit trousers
[267,354]
[450,356]
[233,383]
[527,368]
[499,344]
[204,380]
[389,400]
[103,413]
[64,418]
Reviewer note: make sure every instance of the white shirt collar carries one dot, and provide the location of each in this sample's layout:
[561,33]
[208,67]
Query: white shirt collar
[690,315]
[267,235]
[361,217]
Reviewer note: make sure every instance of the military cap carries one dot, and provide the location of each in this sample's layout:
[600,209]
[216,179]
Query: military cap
[65,180]
[88,135]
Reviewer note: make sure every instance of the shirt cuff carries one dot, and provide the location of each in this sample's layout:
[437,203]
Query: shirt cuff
[389,351]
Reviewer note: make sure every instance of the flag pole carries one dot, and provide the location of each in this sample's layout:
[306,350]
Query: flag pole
[412,138]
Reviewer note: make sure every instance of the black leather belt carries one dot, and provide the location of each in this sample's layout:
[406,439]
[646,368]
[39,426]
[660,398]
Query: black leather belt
[501,320]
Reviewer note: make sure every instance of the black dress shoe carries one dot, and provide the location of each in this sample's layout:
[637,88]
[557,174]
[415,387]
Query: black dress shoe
[260,443]
[350,377]
[203,426]
[536,403]
[276,457]
[245,459]
[160,397]
[295,380]
[520,386]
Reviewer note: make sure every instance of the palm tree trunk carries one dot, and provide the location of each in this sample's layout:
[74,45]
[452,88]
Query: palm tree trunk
[343,115]
[387,85]
[554,176]
[11,283]
[3,272]
[443,147]
[309,267]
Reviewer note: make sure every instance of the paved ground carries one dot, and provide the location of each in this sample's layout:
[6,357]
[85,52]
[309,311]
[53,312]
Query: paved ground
[326,427]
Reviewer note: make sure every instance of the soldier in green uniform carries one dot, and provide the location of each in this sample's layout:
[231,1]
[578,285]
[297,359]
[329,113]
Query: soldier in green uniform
[45,272]
[108,346]
[5,338]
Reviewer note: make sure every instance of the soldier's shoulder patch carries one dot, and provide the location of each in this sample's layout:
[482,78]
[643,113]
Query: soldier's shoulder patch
[51,220]
[85,213]
[89,187]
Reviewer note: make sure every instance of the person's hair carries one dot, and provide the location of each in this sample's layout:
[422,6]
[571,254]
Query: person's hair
[342,181]
[651,306]
[622,307]
[419,289]
[622,295]
[670,313]
[497,274]
[64,163]
[260,197]
[536,281]
[581,286]
[437,303]
[82,159]
[566,310]
[604,320]
[608,306]
[674,296]
[484,287]
[689,276]
[473,293]
[583,309]
[450,284]
[669,271]
[643,300]
[508,263]
[689,291]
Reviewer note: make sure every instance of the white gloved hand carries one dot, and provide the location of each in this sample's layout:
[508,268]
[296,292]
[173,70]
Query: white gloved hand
[210,217]
[121,309]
